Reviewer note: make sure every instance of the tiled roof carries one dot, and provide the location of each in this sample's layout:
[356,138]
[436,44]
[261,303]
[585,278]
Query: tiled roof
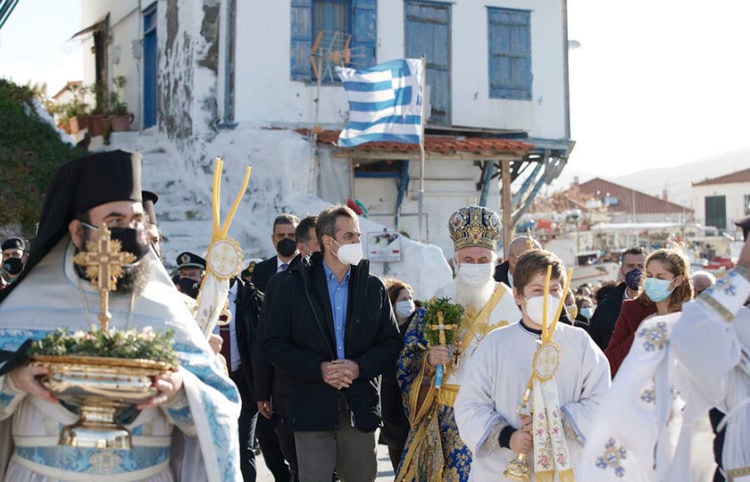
[644,203]
[735,177]
[436,144]
[67,87]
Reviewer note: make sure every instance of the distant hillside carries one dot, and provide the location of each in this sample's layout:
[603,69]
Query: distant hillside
[30,151]
[676,180]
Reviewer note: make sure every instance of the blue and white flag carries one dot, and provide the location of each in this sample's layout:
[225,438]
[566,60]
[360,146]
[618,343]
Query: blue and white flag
[385,103]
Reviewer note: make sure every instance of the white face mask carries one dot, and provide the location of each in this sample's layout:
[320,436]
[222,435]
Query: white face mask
[404,308]
[349,253]
[474,274]
[535,309]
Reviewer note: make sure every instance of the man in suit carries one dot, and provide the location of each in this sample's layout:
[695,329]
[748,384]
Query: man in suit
[602,324]
[504,271]
[286,249]
[284,227]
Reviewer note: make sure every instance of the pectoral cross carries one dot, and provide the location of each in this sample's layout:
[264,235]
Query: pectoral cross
[103,261]
[441,327]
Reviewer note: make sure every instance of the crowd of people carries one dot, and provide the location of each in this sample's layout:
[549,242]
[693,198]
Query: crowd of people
[316,360]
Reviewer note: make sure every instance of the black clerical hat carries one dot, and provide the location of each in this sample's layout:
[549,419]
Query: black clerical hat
[149,199]
[190,260]
[13,243]
[78,186]
[744,223]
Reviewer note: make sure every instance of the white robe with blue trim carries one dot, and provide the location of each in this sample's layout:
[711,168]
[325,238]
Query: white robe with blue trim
[206,410]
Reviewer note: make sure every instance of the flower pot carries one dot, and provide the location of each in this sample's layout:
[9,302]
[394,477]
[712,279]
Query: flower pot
[78,123]
[120,122]
[97,125]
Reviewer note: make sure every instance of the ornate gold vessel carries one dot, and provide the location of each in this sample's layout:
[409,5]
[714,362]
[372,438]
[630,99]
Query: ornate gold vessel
[101,388]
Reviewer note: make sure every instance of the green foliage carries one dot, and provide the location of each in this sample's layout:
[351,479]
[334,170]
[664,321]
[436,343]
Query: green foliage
[453,313]
[131,344]
[30,151]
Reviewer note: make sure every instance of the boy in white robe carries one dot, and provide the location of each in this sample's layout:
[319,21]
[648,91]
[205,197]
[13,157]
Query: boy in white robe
[498,375]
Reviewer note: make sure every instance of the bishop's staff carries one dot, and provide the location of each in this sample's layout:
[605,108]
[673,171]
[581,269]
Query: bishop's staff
[543,367]
[223,258]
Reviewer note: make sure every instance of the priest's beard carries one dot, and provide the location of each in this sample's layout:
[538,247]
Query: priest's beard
[134,277]
[474,298]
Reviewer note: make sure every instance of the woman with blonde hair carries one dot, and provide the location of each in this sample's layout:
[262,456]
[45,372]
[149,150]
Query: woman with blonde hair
[667,286]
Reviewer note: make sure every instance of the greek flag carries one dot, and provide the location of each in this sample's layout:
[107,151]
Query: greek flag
[385,103]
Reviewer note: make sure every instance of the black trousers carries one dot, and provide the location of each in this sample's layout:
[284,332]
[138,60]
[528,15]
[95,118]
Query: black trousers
[265,430]
[247,421]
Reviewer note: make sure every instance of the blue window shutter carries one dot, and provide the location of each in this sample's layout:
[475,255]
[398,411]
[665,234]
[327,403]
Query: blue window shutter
[364,32]
[301,39]
[509,37]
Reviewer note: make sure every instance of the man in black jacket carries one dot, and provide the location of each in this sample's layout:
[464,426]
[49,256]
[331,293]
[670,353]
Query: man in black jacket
[602,324]
[329,326]
[286,249]
[504,271]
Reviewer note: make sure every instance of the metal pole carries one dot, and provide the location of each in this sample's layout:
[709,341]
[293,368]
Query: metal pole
[421,148]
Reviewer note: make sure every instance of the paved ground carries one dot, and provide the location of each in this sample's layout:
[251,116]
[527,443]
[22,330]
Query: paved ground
[385,471]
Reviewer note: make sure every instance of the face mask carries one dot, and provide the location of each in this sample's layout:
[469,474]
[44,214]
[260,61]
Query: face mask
[349,253]
[189,287]
[535,309]
[474,274]
[633,279]
[286,247]
[132,240]
[657,289]
[405,308]
[587,312]
[572,311]
[13,266]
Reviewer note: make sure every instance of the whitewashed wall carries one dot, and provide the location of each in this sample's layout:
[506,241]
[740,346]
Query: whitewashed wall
[125,27]
[266,95]
[735,194]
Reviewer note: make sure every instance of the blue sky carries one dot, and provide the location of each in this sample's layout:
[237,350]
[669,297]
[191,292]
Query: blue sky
[654,83]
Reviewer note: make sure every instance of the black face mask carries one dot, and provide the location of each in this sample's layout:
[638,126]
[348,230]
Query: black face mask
[286,247]
[132,240]
[189,286]
[13,266]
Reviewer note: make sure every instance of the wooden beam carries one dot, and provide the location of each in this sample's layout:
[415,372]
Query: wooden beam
[505,196]
[432,156]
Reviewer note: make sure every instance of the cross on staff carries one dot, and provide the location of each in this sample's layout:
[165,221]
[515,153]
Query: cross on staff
[103,261]
[441,327]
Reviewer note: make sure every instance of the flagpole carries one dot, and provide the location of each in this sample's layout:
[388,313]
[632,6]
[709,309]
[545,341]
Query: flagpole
[421,145]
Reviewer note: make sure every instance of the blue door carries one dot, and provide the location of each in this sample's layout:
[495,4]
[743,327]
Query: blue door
[428,33]
[149,66]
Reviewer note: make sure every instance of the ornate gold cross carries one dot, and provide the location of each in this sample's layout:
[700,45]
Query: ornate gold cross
[103,261]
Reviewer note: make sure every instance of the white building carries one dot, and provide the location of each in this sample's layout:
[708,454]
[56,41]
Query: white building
[721,200]
[497,75]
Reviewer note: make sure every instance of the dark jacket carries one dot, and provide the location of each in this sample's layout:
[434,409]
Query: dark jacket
[296,335]
[263,272]
[602,323]
[501,273]
[247,310]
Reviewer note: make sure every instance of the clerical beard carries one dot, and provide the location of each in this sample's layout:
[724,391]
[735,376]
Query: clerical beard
[474,297]
[134,277]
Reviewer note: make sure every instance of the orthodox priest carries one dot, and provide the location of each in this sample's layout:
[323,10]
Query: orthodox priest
[434,451]
[197,399]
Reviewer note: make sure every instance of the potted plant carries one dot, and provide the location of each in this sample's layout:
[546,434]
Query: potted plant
[119,117]
[98,121]
[76,110]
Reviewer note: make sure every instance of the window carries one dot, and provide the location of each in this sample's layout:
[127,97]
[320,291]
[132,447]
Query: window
[509,53]
[357,18]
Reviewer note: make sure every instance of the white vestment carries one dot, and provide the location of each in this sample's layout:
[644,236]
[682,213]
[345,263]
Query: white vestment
[653,424]
[495,381]
[52,296]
